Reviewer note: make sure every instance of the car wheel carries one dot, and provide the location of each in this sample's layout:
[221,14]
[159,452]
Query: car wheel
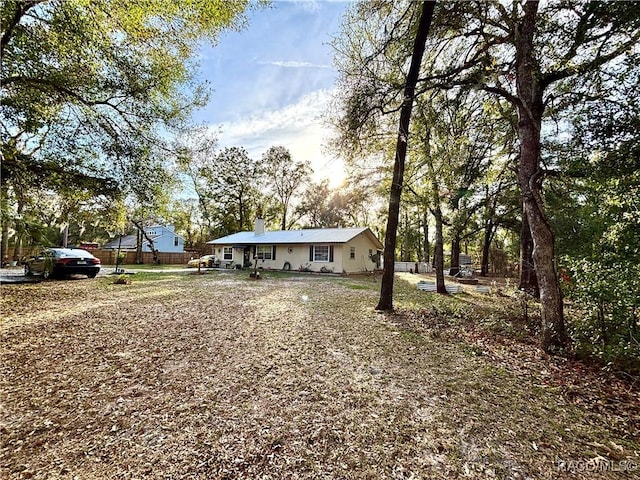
[92,275]
[46,274]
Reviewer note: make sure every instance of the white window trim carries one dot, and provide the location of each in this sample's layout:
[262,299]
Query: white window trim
[315,259]
[225,253]
[261,250]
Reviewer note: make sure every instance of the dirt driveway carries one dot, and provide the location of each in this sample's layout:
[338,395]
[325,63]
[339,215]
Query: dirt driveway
[219,377]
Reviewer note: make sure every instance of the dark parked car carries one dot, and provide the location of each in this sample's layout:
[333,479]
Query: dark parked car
[58,262]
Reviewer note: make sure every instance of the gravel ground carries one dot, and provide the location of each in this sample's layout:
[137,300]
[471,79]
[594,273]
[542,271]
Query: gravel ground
[11,274]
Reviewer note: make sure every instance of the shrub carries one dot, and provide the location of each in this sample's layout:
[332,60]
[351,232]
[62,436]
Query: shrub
[606,292]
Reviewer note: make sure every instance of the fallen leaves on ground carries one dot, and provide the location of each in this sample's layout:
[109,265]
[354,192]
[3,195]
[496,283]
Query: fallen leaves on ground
[219,377]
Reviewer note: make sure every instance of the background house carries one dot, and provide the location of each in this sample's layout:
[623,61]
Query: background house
[165,240]
[337,250]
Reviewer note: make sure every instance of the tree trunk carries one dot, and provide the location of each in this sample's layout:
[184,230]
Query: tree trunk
[406,250]
[20,231]
[138,247]
[386,289]
[4,213]
[65,235]
[528,278]
[149,240]
[455,256]
[17,249]
[425,225]
[530,110]
[438,253]
[284,217]
[4,243]
[486,246]
[240,214]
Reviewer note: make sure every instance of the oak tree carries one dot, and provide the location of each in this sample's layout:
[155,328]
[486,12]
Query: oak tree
[531,54]
[284,177]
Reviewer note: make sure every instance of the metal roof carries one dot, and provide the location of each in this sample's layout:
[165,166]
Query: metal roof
[316,235]
[127,242]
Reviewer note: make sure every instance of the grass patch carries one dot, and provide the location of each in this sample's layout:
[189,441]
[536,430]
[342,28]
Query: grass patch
[144,278]
[354,286]
[152,267]
[359,284]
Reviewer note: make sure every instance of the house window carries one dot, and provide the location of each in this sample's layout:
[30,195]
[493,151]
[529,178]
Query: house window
[264,252]
[176,242]
[227,253]
[352,253]
[321,253]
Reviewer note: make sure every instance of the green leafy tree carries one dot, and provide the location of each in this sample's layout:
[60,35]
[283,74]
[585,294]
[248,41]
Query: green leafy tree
[236,179]
[501,205]
[183,214]
[600,246]
[429,173]
[90,89]
[527,53]
[314,209]
[423,21]
[471,134]
[196,151]
[97,78]
[323,207]
[284,178]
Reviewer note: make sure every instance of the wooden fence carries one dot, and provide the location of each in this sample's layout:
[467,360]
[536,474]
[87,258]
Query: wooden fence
[109,257]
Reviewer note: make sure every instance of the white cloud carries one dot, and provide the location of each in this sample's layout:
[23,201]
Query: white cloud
[294,64]
[310,5]
[297,127]
[313,5]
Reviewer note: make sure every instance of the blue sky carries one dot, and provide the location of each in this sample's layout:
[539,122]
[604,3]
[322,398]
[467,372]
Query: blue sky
[272,81]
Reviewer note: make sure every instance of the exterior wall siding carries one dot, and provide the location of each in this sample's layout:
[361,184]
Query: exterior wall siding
[297,257]
[361,262]
[236,254]
[165,242]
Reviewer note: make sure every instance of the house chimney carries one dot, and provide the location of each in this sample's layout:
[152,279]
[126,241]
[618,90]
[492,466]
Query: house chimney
[259,226]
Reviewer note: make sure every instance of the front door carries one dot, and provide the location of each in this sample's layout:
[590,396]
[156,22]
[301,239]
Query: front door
[247,257]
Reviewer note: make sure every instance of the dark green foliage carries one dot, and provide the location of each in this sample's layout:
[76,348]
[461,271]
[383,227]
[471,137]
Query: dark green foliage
[596,212]
[606,290]
[89,93]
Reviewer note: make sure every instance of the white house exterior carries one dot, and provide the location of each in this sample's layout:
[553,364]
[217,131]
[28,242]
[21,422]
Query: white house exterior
[339,250]
[165,240]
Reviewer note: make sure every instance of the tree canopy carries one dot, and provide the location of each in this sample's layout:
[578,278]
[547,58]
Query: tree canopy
[90,88]
[91,93]
[540,60]
[284,177]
